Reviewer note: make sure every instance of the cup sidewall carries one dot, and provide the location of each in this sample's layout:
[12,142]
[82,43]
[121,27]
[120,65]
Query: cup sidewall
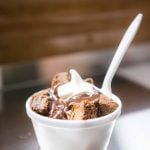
[68,138]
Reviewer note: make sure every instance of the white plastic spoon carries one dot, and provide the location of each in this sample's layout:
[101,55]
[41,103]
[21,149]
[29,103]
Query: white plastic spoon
[122,48]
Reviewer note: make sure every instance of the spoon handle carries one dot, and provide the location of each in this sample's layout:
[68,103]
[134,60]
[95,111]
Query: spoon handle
[121,50]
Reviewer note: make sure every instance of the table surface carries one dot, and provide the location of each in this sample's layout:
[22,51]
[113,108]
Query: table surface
[16,131]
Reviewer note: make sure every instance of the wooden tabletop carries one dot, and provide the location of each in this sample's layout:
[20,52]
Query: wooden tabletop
[16,131]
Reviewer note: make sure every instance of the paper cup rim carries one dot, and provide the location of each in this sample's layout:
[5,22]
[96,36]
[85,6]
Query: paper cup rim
[74,123]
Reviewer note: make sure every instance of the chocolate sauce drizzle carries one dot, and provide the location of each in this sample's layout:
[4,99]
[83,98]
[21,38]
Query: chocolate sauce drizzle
[59,108]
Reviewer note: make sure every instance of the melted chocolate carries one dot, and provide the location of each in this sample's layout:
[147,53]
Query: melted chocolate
[48,103]
[59,108]
[84,96]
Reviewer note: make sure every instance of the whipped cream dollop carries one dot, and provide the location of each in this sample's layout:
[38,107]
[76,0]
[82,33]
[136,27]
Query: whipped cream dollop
[75,86]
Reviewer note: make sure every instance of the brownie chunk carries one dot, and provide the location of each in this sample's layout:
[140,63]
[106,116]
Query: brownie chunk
[107,105]
[41,102]
[41,105]
[60,79]
[86,109]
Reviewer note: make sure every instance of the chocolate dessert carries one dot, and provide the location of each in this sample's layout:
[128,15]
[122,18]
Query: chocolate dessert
[77,106]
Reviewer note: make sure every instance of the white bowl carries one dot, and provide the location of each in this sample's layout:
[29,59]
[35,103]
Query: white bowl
[55,134]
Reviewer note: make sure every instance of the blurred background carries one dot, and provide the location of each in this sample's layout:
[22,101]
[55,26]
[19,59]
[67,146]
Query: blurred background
[40,34]
[39,38]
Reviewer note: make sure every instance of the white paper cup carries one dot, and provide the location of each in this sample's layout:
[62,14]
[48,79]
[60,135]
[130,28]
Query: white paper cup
[55,134]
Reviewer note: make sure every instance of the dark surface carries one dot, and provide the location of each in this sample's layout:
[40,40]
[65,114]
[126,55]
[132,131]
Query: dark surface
[16,131]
